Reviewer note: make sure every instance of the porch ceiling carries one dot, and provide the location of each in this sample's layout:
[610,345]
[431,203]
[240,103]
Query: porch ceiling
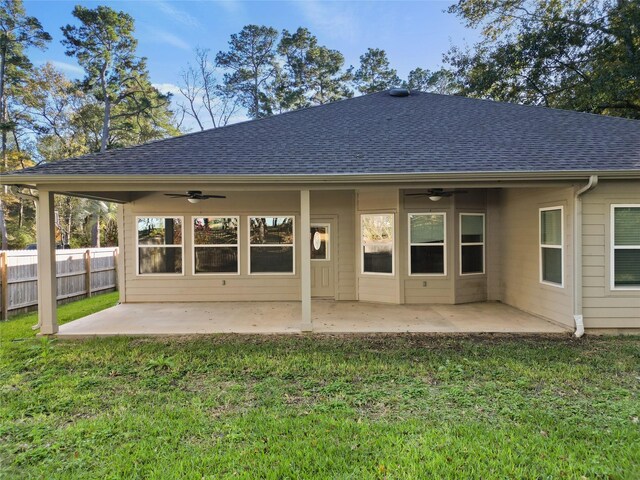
[285,317]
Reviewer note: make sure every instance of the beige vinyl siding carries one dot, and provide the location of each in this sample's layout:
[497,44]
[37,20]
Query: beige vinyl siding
[372,287]
[603,307]
[520,252]
[200,288]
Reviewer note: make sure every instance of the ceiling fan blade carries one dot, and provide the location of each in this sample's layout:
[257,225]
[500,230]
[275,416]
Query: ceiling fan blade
[176,195]
[211,196]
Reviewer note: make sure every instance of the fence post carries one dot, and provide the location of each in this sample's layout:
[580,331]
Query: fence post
[87,269]
[4,279]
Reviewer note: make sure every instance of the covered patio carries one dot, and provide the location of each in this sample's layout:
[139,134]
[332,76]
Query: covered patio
[285,318]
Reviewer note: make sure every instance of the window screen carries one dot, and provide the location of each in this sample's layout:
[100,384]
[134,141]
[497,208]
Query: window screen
[427,244]
[215,245]
[551,257]
[159,242]
[271,243]
[626,246]
[377,243]
[471,243]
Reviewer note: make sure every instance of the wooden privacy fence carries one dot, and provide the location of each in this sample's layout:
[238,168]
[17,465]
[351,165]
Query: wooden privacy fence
[79,273]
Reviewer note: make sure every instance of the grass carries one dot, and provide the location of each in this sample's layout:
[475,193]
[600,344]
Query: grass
[406,406]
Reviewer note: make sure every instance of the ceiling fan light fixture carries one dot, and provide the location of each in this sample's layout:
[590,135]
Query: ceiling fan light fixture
[435,198]
[193,200]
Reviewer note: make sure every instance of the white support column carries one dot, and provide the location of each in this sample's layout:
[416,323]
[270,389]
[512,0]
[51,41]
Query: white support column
[305,260]
[47,288]
[122,287]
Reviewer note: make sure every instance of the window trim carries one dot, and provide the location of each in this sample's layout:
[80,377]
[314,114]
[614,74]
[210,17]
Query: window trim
[443,244]
[561,246]
[471,244]
[249,246]
[328,227]
[138,246]
[228,245]
[393,246]
[612,265]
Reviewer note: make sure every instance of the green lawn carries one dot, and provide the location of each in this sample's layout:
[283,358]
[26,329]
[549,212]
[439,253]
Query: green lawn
[407,406]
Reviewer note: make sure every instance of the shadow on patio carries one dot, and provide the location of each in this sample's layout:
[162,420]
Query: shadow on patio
[285,317]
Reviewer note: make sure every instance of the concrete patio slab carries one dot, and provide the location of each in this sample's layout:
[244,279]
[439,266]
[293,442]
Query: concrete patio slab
[285,317]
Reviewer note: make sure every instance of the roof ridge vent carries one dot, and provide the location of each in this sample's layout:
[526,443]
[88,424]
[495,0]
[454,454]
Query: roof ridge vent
[399,92]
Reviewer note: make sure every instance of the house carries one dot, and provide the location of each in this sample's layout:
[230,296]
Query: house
[394,197]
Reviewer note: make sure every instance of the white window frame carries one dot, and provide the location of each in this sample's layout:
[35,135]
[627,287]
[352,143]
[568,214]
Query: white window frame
[393,245]
[328,227]
[227,245]
[612,269]
[138,247]
[561,246]
[250,246]
[471,244]
[443,245]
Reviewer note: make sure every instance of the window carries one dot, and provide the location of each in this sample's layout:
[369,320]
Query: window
[551,255]
[215,245]
[271,245]
[427,244]
[319,242]
[471,243]
[377,243]
[159,245]
[625,253]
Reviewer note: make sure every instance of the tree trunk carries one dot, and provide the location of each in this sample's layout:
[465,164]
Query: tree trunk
[95,232]
[105,125]
[3,107]
[3,228]
[107,109]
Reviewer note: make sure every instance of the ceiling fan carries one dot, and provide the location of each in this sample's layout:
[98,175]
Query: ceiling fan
[436,194]
[193,196]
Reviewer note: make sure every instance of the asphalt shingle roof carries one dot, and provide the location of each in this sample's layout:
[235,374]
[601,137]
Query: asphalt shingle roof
[378,133]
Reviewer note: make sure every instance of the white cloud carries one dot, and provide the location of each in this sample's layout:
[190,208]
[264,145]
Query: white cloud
[162,36]
[177,14]
[67,67]
[331,18]
[167,88]
[232,7]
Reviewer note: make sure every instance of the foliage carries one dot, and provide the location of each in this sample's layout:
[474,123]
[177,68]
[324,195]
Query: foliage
[572,54]
[379,406]
[251,65]
[17,33]
[105,47]
[441,81]
[53,104]
[313,74]
[374,73]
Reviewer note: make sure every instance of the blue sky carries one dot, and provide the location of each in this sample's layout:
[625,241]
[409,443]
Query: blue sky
[414,34]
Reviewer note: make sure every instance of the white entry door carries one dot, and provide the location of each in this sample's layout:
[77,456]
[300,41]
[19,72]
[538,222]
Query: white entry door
[322,258]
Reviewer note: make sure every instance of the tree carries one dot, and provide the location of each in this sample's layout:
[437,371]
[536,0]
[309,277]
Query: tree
[251,65]
[53,102]
[312,74]
[374,73]
[105,47]
[207,101]
[441,81]
[567,54]
[17,33]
